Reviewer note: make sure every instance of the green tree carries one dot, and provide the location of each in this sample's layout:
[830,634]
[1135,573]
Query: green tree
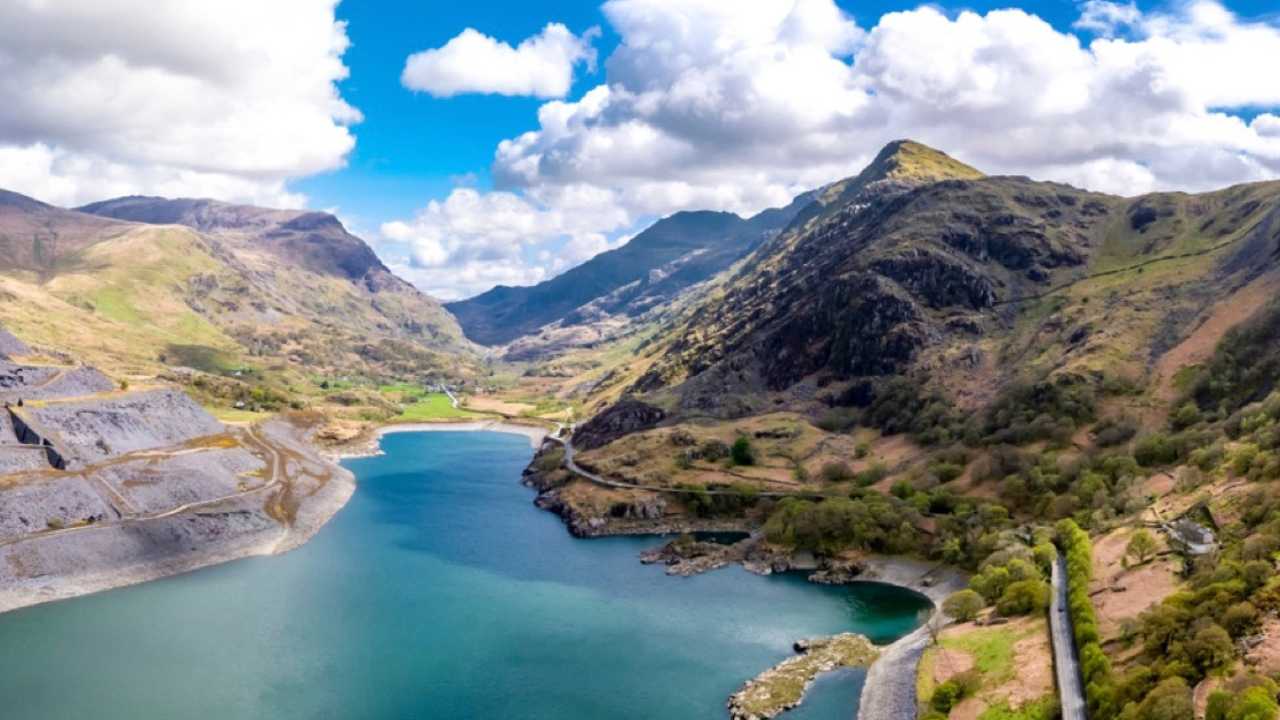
[1210,648]
[1024,597]
[742,453]
[963,605]
[1170,700]
[1141,547]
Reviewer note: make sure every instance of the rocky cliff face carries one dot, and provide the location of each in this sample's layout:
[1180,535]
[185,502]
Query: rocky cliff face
[622,418]
[862,290]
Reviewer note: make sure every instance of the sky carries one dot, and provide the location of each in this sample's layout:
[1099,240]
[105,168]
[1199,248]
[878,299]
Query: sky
[503,142]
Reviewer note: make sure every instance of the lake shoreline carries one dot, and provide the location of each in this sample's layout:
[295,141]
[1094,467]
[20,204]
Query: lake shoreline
[369,444]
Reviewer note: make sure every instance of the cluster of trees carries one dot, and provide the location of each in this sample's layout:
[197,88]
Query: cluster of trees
[1050,409]
[870,521]
[1013,579]
[1051,486]
[726,501]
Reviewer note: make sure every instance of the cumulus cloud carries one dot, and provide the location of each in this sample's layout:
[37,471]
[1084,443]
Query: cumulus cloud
[1107,18]
[471,241]
[540,66]
[173,98]
[740,106]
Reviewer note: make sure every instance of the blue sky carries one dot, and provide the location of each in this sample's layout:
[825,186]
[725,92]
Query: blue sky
[693,104]
[413,147]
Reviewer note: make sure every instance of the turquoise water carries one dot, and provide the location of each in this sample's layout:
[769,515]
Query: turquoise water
[438,592]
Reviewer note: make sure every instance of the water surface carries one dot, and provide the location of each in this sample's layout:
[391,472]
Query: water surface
[438,592]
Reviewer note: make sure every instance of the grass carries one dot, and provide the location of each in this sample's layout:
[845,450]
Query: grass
[435,406]
[232,415]
[1042,709]
[992,651]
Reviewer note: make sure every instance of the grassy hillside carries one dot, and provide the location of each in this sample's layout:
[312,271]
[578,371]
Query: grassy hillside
[214,306]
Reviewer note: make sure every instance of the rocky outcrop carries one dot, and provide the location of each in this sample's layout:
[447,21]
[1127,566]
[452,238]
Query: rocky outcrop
[622,418]
[783,686]
[91,430]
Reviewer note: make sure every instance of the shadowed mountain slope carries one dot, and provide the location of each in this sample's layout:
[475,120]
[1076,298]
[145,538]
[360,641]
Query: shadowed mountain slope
[922,268]
[653,268]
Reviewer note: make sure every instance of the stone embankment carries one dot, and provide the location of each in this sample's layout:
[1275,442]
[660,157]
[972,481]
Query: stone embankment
[101,488]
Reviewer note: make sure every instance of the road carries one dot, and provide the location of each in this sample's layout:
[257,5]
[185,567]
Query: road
[1065,663]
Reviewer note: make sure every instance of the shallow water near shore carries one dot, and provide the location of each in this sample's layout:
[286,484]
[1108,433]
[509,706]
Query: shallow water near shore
[438,592]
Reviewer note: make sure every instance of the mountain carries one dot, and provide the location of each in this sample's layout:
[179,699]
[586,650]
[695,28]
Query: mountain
[139,284]
[651,269]
[922,267]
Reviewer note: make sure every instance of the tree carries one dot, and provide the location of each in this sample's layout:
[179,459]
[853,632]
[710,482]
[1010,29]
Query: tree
[1141,547]
[1240,618]
[1024,597]
[963,605]
[1210,648]
[741,452]
[1170,700]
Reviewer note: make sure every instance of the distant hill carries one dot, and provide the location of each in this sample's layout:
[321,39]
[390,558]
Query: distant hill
[138,284]
[653,268]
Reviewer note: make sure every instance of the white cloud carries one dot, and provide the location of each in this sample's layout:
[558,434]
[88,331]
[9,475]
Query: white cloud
[471,240]
[739,106]
[1107,18]
[174,98]
[541,66]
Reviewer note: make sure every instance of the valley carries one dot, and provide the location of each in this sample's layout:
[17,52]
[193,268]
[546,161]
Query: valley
[919,366]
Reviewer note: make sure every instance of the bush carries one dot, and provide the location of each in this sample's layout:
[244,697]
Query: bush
[1114,431]
[1024,598]
[834,472]
[946,472]
[550,460]
[871,475]
[838,420]
[742,453]
[963,605]
[1141,547]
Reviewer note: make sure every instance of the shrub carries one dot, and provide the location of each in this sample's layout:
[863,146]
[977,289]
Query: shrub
[834,472]
[872,475]
[963,605]
[742,453]
[1024,598]
[946,472]
[1114,431]
[1141,547]
[550,460]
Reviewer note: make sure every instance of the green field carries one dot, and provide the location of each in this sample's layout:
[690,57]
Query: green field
[435,406]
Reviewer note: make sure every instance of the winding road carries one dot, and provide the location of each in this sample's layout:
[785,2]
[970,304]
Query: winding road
[566,441]
[1065,663]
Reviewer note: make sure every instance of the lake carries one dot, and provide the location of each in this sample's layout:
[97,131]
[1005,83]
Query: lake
[440,591]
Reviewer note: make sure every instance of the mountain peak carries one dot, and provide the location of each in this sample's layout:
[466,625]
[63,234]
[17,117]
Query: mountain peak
[910,161]
[901,161]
